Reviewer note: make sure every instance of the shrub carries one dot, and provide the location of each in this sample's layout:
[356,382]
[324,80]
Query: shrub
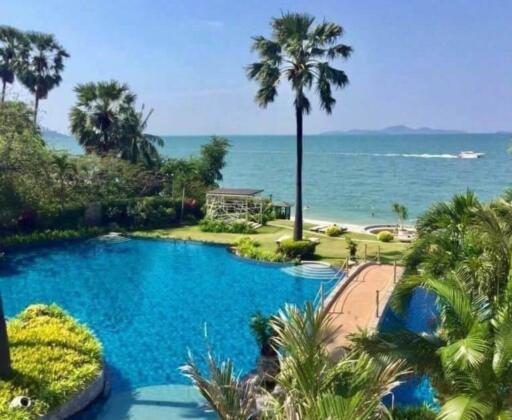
[249,248]
[385,236]
[291,249]
[220,226]
[48,235]
[151,212]
[53,359]
[333,230]
[351,247]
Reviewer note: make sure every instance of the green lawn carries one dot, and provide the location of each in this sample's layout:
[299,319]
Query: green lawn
[331,250]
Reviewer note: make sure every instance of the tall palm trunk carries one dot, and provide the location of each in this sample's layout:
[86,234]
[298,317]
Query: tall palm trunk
[5,356]
[297,229]
[36,108]
[4,83]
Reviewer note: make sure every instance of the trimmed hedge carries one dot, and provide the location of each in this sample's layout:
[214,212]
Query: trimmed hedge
[53,358]
[219,226]
[385,236]
[292,250]
[48,236]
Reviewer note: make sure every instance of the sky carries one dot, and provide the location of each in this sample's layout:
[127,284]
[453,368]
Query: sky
[437,63]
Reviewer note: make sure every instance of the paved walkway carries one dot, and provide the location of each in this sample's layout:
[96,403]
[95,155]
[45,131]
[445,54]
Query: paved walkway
[355,306]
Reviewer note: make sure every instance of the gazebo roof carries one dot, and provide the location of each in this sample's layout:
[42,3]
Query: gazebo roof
[235,191]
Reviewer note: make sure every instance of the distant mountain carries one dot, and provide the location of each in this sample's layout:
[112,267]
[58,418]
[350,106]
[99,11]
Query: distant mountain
[60,141]
[394,130]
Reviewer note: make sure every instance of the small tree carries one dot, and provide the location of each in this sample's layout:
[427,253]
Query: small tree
[351,247]
[262,331]
[401,213]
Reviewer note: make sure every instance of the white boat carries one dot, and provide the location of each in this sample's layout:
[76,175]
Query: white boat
[468,154]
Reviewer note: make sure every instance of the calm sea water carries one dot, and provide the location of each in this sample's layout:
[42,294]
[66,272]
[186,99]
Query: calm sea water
[357,178]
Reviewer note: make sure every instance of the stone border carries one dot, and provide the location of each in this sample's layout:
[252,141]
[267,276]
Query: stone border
[81,400]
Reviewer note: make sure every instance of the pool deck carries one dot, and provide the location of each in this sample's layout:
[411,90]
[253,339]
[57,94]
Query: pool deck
[353,306]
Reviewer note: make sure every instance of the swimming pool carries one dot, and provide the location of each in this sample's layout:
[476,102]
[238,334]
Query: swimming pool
[150,301]
[420,317]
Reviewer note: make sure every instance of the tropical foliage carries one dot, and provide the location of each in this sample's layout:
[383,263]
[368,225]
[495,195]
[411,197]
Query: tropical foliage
[311,385]
[13,49]
[462,258]
[299,52]
[250,248]
[42,189]
[104,120]
[41,68]
[53,358]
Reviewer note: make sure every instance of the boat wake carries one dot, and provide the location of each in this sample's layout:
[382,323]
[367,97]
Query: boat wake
[404,155]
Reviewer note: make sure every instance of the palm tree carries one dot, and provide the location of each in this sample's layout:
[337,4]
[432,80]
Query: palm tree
[299,52]
[401,212]
[64,166]
[97,117]
[468,237]
[135,144]
[13,49]
[312,385]
[469,356]
[42,68]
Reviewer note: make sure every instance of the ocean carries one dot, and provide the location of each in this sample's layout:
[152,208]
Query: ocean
[356,178]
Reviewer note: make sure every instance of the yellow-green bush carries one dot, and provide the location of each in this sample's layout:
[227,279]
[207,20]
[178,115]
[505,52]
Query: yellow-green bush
[53,358]
[249,248]
[333,231]
[385,236]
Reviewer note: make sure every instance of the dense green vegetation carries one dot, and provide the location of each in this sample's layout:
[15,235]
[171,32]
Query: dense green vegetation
[299,52]
[42,189]
[220,226]
[53,358]
[462,257]
[251,248]
[311,384]
[121,182]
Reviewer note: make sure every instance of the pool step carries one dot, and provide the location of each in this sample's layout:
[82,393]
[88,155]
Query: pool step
[312,271]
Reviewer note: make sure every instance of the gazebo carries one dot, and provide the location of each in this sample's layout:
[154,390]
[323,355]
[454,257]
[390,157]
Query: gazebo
[236,204]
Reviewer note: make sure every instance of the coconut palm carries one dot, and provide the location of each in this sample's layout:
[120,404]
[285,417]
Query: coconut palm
[469,356]
[98,115]
[42,67]
[136,145]
[300,52]
[311,384]
[13,49]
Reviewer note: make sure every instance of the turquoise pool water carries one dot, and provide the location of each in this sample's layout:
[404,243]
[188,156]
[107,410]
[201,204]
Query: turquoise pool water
[150,301]
[421,317]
